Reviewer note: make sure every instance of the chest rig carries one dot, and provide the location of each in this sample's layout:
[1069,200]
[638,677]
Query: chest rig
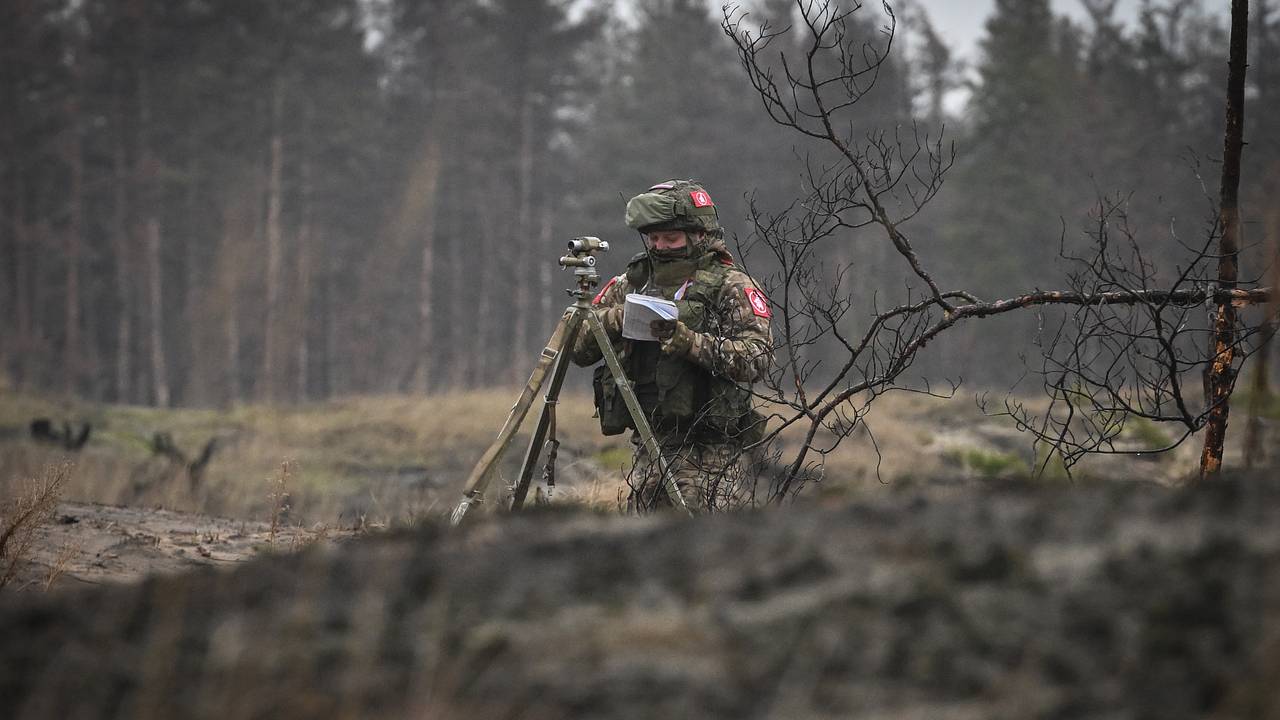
[679,396]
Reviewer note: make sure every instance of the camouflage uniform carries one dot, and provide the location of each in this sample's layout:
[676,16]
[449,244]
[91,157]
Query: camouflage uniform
[695,386]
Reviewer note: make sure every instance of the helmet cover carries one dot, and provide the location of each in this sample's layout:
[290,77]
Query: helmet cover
[674,205]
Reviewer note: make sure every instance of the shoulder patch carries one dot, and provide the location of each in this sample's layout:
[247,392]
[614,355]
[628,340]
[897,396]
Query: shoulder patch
[603,290]
[759,303]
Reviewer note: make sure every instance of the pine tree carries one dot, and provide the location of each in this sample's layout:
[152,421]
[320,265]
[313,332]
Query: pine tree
[669,110]
[1012,168]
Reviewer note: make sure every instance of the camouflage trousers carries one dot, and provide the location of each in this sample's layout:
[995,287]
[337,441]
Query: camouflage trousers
[709,475]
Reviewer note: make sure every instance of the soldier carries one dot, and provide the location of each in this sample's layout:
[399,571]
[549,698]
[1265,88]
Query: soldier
[694,383]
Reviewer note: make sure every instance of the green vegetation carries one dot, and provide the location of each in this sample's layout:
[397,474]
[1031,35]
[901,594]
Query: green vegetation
[615,457]
[1146,433]
[1049,465]
[1268,405]
[989,464]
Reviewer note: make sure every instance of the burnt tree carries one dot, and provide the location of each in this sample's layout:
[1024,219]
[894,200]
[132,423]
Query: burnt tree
[1126,342]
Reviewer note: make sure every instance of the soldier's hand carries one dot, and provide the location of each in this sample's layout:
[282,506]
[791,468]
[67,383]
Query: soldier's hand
[680,340]
[611,318]
[663,329]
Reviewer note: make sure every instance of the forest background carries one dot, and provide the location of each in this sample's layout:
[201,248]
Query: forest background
[217,201]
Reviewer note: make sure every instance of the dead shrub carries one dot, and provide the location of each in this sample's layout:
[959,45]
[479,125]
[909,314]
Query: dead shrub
[279,497]
[32,505]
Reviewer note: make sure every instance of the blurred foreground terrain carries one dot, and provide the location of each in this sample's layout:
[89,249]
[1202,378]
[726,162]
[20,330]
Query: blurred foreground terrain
[1111,600]
[949,585]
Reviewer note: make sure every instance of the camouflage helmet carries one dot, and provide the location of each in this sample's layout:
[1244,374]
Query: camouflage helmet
[674,205]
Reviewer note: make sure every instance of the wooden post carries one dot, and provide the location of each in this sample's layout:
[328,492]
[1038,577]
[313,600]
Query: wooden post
[1222,371]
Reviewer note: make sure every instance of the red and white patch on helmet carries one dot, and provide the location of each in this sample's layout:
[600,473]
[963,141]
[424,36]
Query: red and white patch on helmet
[603,290]
[759,303]
[700,198]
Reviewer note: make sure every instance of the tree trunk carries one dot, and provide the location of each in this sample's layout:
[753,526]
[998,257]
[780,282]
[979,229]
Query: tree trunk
[331,354]
[1260,395]
[235,390]
[229,266]
[481,353]
[546,277]
[8,259]
[23,282]
[152,244]
[523,235]
[306,237]
[17,37]
[461,295]
[155,299]
[424,184]
[302,354]
[191,291]
[72,350]
[1255,450]
[302,348]
[122,251]
[270,384]
[1222,372]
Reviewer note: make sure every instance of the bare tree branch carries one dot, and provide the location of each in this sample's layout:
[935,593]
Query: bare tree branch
[1119,341]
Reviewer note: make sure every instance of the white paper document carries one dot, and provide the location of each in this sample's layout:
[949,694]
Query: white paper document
[641,310]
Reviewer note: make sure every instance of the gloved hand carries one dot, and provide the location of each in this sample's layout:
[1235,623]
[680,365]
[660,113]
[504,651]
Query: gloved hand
[675,336]
[611,318]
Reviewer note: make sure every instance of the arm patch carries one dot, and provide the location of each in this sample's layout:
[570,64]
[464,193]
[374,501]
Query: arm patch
[759,303]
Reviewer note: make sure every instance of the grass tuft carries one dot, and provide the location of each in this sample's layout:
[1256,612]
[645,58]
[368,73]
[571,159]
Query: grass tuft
[989,464]
[1146,434]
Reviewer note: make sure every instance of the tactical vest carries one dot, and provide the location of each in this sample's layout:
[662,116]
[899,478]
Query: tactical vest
[678,396]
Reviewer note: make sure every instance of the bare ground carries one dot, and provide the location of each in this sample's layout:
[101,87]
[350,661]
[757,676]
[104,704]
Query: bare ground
[90,543]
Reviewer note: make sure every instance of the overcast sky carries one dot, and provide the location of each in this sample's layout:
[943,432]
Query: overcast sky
[960,22]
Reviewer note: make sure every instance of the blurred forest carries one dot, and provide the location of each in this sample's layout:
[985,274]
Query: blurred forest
[204,202]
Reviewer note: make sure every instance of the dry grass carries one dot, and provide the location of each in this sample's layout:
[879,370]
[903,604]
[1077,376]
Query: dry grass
[911,438]
[604,493]
[393,461]
[279,497]
[362,460]
[32,504]
[61,561]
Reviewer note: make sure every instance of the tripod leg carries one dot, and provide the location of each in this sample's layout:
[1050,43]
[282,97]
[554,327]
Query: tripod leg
[521,489]
[479,478]
[637,413]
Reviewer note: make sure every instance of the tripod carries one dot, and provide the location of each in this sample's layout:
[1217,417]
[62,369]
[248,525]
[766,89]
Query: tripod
[555,359]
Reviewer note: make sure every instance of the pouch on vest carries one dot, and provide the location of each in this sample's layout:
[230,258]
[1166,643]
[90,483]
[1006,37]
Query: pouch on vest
[612,409]
[751,428]
[725,407]
[677,381]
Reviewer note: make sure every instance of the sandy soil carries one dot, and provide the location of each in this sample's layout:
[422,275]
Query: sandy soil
[90,543]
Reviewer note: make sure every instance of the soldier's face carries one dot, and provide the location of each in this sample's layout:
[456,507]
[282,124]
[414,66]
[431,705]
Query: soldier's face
[668,240]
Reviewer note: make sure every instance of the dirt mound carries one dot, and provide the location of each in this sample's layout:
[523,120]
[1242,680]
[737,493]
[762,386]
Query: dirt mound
[1116,600]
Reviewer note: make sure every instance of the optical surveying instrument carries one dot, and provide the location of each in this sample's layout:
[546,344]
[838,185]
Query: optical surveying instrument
[555,359]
